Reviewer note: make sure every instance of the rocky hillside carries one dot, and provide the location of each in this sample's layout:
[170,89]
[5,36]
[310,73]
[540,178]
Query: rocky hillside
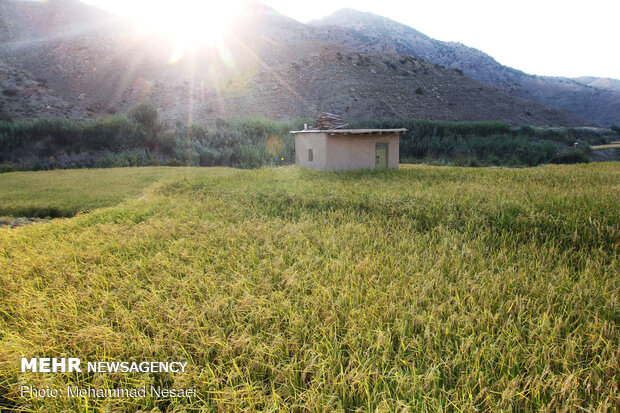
[273,66]
[600,82]
[591,100]
[23,97]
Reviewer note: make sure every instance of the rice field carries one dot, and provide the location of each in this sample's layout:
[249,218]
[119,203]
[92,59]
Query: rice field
[65,192]
[608,146]
[424,289]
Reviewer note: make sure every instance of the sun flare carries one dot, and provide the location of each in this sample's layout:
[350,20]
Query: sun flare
[186,22]
[193,21]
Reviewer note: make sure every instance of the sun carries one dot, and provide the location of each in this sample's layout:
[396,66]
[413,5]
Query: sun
[191,22]
[187,22]
[196,21]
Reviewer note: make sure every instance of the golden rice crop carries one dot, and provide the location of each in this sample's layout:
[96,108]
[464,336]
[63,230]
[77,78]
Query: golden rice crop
[421,289]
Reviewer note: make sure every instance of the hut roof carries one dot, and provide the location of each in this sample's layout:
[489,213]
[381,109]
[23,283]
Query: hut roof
[353,131]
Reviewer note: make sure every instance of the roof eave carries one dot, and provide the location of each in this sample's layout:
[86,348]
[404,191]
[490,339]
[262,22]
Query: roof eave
[353,131]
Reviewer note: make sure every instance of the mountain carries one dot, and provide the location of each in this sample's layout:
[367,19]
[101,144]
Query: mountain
[272,66]
[368,32]
[23,96]
[600,82]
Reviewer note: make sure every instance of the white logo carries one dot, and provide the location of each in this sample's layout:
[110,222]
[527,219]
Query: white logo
[51,365]
[72,365]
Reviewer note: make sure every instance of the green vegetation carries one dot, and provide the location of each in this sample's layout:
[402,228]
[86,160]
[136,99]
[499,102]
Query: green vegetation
[64,193]
[420,289]
[141,139]
[483,143]
[146,115]
[571,156]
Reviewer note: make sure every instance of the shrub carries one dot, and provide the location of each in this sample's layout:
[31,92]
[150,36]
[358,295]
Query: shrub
[145,114]
[471,161]
[6,168]
[215,157]
[571,156]
[174,162]
[133,157]
[187,155]
[106,160]
[250,156]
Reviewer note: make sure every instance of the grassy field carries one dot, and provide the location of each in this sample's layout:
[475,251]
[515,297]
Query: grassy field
[63,193]
[608,146]
[432,289]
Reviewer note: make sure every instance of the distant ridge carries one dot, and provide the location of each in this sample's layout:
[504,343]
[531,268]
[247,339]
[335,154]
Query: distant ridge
[600,82]
[274,67]
[595,100]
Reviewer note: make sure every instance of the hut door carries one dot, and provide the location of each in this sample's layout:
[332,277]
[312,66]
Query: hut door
[381,155]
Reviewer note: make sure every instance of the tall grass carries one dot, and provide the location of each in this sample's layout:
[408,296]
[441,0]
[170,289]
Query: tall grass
[113,133]
[121,141]
[255,142]
[421,289]
[486,143]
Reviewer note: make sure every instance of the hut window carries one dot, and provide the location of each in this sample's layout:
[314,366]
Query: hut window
[310,155]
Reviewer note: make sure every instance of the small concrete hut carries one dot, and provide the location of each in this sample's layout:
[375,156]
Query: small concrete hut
[337,149]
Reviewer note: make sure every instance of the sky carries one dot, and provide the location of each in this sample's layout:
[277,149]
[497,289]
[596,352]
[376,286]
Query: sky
[542,37]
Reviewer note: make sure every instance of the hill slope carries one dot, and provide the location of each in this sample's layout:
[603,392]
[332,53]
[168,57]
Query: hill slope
[600,82]
[22,96]
[369,32]
[273,66]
